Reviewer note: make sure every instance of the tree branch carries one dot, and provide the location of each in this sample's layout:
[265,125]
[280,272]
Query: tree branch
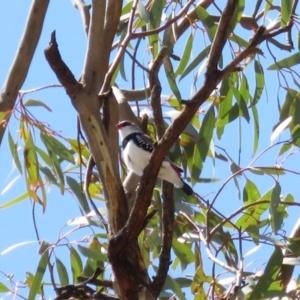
[155,88]
[18,71]
[96,135]
[136,95]
[220,38]
[167,188]
[191,17]
[256,40]
[123,264]
[84,13]
[63,73]
[112,18]
[93,75]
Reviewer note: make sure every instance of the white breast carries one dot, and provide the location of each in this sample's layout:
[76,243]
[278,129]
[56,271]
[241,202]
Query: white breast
[135,158]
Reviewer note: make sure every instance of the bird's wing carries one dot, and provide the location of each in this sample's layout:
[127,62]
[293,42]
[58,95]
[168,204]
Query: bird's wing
[147,139]
[141,138]
[177,169]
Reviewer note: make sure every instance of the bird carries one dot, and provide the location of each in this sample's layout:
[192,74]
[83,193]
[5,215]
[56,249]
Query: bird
[137,151]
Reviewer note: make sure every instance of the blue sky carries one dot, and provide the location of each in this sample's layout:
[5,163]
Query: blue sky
[16,222]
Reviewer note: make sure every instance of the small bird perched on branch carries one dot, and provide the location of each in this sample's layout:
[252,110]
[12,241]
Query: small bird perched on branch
[137,151]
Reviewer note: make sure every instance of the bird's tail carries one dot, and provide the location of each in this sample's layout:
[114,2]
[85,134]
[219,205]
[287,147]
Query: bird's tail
[187,189]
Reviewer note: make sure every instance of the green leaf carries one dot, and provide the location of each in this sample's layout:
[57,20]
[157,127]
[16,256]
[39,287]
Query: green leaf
[43,191]
[224,106]
[76,264]
[171,78]
[204,140]
[15,200]
[79,148]
[44,156]
[44,246]
[252,215]
[234,168]
[3,288]
[207,21]
[295,113]
[58,171]
[214,220]
[155,20]
[62,272]
[253,231]
[250,192]
[237,15]
[14,152]
[3,115]
[57,147]
[276,291]
[284,148]
[260,82]
[286,10]
[289,198]
[291,95]
[49,175]
[171,284]
[90,253]
[31,161]
[244,89]
[232,114]
[241,101]
[127,8]
[276,215]
[78,191]
[144,14]
[287,62]
[156,13]
[32,102]
[268,6]
[49,143]
[185,56]
[196,61]
[169,38]
[238,40]
[269,276]
[40,271]
[183,252]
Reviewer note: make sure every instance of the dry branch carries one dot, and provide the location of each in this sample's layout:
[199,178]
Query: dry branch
[18,71]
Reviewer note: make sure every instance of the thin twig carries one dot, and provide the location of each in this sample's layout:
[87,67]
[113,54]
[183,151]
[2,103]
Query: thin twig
[206,244]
